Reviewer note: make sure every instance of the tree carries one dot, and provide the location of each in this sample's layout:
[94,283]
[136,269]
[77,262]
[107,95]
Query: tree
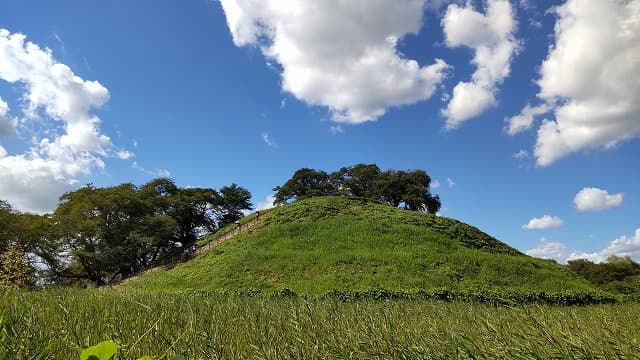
[359,180]
[409,189]
[22,235]
[303,184]
[15,271]
[617,274]
[7,223]
[391,187]
[233,200]
[106,233]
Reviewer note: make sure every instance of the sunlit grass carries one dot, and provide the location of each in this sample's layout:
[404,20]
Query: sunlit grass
[56,324]
[322,244]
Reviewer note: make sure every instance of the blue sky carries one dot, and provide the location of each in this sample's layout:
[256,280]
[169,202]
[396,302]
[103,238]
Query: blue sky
[124,91]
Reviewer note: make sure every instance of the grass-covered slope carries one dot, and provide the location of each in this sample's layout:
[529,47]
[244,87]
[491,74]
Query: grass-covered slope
[322,244]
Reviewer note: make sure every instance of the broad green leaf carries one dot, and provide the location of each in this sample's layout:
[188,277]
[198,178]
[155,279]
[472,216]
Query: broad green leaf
[103,351]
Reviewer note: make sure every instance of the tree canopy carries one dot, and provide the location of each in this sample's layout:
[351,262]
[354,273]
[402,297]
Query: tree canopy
[407,189]
[102,234]
[617,274]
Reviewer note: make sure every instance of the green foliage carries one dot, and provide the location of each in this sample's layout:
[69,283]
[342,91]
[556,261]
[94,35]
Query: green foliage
[619,275]
[234,200]
[14,269]
[28,232]
[105,350]
[305,183]
[114,232]
[193,325]
[322,244]
[409,189]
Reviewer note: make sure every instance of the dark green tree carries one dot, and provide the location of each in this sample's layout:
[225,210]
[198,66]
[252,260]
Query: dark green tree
[617,274]
[233,201]
[107,231]
[359,180]
[409,189]
[305,183]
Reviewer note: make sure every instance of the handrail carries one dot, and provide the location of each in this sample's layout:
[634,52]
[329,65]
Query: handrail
[190,255]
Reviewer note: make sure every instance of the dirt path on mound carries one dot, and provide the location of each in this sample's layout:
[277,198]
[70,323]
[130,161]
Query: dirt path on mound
[213,243]
[217,241]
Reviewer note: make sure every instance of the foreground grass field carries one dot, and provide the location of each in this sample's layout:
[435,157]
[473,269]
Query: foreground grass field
[56,324]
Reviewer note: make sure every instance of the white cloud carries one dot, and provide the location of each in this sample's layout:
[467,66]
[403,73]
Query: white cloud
[124,154]
[339,54]
[591,78]
[435,184]
[524,120]
[594,199]
[491,35]
[622,246]
[72,144]
[3,152]
[550,250]
[545,222]
[535,23]
[8,125]
[450,182]
[155,173]
[267,203]
[268,140]
[522,154]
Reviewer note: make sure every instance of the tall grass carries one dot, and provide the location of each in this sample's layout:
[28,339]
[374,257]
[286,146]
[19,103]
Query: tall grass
[56,324]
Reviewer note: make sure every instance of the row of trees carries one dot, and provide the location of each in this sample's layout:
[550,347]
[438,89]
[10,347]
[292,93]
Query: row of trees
[619,275]
[407,189]
[102,234]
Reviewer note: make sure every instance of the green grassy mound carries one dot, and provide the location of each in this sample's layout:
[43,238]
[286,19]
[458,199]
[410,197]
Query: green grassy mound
[327,244]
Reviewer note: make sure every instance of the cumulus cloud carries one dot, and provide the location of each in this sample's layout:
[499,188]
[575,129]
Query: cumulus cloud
[524,120]
[435,184]
[545,222]
[622,246]
[450,182]
[591,78]
[491,36]
[8,125]
[267,203]
[72,144]
[339,54]
[594,199]
[550,250]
